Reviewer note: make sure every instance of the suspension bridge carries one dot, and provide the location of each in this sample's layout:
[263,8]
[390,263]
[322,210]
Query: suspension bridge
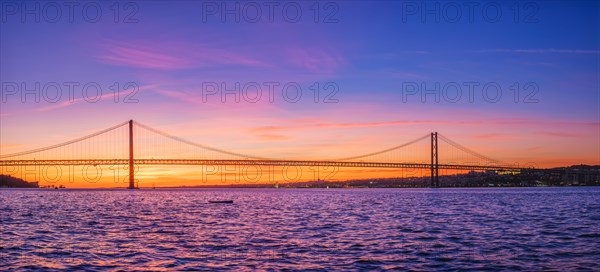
[132,143]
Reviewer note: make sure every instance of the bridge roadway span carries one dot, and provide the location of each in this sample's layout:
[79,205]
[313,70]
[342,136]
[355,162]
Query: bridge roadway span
[255,163]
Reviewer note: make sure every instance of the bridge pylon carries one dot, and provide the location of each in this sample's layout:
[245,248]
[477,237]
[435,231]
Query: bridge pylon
[131,166]
[435,181]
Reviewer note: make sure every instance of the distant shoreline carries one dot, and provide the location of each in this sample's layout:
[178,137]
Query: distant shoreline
[284,188]
[572,176]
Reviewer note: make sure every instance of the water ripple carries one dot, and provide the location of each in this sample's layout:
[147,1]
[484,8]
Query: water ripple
[317,230]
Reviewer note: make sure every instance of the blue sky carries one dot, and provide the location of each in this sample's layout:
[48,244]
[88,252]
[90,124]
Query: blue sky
[368,51]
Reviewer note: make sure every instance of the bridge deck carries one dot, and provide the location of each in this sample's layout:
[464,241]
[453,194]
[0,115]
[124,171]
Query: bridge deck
[255,163]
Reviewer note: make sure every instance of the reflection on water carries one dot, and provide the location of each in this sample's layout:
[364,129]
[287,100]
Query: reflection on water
[422,229]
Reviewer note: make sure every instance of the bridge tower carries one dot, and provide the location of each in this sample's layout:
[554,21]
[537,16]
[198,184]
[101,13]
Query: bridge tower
[131,169]
[435,182]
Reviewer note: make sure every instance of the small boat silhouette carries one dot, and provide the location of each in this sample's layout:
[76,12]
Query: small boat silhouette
[220,201]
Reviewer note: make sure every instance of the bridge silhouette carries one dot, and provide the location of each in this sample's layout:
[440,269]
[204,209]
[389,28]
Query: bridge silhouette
[132,143]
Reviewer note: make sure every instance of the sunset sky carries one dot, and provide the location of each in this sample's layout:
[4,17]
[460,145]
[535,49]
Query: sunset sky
[374,52]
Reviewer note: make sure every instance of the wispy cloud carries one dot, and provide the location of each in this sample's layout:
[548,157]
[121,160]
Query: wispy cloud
[106,96]
[215,102]
[492,136]
[171,56]
[558,134]
[143,58]
[420,52]
[502,122]
[266,129]
[9,146]
[542,51]
[272,137]
[403,74]
[316,60]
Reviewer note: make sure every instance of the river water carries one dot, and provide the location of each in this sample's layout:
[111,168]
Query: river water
[315,229]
